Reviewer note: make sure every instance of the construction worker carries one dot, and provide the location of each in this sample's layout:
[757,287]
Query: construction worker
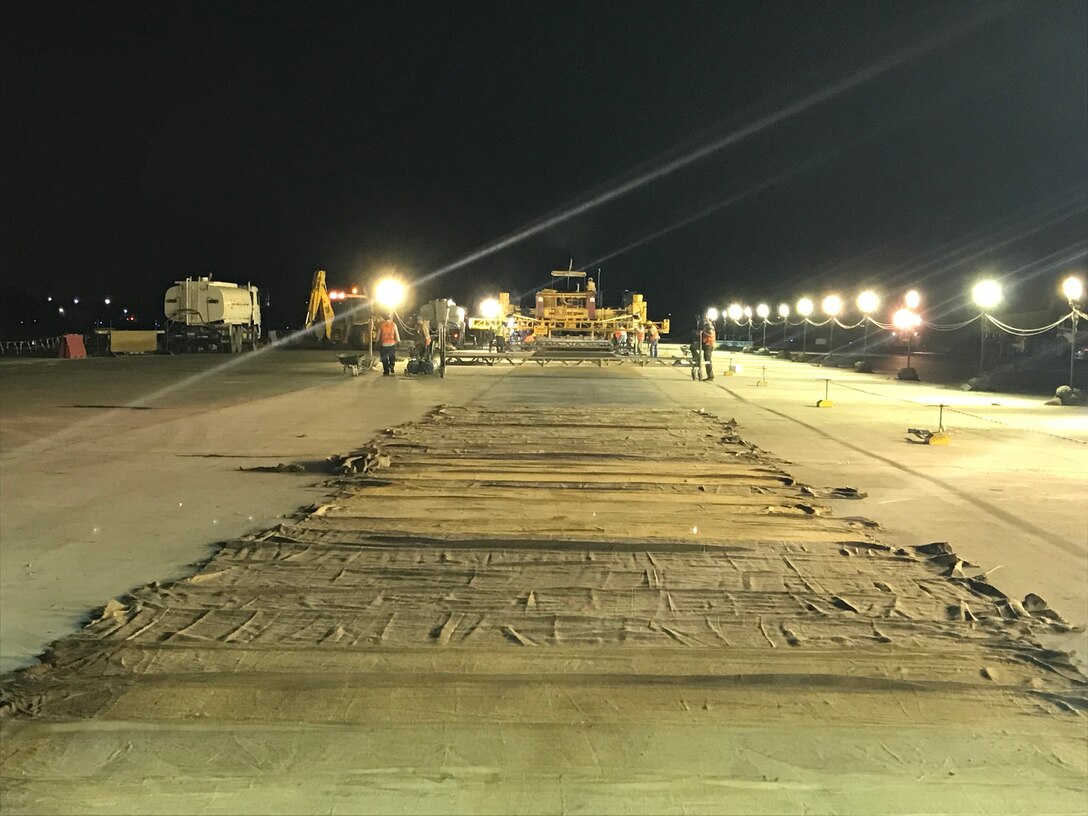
[640,337]
[655,337]
[423,332]
[708,338]
[388,337]
[696,347]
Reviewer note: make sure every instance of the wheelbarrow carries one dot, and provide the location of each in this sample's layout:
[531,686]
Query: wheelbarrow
[355,363]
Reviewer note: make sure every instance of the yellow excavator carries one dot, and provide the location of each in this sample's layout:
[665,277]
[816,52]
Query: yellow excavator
[345,313]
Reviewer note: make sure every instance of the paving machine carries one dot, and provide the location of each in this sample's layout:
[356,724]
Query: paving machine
[567,319]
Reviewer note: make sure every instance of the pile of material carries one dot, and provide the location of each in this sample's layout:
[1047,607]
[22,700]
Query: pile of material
[521,610]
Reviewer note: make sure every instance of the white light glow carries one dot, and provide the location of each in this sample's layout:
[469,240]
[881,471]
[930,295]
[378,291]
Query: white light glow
[490,309]
[804,307]
[986,294]
[868,302]
[913,299]
[735,312]
[783,310]
[712,314]
[1073,288]
[905,319]
[832,305]
[763,310]
[389,293]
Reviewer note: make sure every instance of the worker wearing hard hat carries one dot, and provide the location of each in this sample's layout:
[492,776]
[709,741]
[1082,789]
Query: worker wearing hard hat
[708,338]
[388,337]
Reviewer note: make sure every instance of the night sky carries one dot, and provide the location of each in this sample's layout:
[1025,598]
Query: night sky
[146,142]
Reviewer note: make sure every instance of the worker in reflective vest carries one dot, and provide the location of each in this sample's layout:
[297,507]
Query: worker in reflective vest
[423,330]
[388,337]
[708,338]
[655,337]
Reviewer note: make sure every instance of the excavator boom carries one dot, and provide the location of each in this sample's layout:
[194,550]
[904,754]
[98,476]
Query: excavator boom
[319,299]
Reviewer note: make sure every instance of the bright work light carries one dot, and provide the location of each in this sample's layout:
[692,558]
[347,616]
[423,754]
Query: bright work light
[389,293]
[490,309]
[905,320]
[986,294]
[868,302]
[1073,288]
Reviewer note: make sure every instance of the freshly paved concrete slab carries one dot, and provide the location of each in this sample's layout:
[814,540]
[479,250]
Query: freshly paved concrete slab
[495,650]
[117,472]
[1010,491]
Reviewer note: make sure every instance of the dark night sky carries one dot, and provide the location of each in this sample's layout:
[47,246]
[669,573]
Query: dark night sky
[149,141]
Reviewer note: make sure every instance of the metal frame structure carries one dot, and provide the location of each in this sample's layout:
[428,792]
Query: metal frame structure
[517,358]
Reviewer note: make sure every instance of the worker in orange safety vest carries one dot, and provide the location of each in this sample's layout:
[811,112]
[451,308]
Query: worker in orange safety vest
[388,337]
[655,337]
[423,332]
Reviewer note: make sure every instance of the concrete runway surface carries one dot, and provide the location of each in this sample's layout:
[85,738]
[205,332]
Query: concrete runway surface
[566,590]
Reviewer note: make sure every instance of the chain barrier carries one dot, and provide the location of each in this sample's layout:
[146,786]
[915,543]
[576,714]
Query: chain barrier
[1027,332]
[857,325]
[21,347]
[950,326]
[1005,327]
